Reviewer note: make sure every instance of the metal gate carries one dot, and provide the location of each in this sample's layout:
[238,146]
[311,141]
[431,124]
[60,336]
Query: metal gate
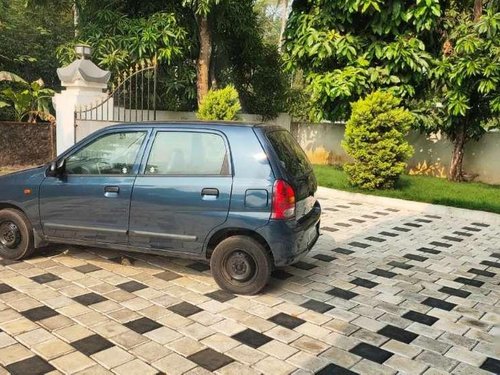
[132,99]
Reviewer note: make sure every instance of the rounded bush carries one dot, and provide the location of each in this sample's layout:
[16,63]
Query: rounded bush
[375,139]
[222,104]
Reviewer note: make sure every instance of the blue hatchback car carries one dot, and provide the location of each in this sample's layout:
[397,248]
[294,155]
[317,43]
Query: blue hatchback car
[238,195]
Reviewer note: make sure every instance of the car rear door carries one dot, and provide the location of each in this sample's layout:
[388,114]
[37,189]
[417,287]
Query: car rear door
[183,190]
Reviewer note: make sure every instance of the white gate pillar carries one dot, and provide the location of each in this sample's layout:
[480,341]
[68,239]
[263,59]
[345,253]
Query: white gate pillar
[86,84]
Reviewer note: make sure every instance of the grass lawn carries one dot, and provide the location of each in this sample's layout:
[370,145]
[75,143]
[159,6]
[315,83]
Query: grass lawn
[474,195]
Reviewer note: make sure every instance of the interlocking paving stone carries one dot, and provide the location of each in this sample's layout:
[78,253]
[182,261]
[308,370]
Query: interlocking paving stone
[416,257]
[167,275]
[489,263]
[330,229]
[401,265]
[89,299]
[398,334]
[210,360]
[342,293]
[439,303]
[454,239]
[92,344]
[359,244]
[286,320]
[324,258]
[420,318]
[491,365]
[465,234]
[481,272]
[383,273]
[317,306]
[472,229]
[333,369]
[471,282]
[221,296]
[45,278]
[199,266]
[281,274]
[413,225]
[87,268]
[143,325]
[371,352]
[304,266]
[388,234]
[39,313]
[370,217]
[251,338]
[480,225]
[32,366]
[428,251]
[375,239]
[132,286]
[364,283]
[343,225]
[4,288]
[440,244]
[400,229]
[185,309]
[423,220]
[455,292]
[340,250]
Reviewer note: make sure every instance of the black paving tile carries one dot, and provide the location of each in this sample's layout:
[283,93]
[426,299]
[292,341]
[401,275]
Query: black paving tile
[415,316]
[251,338]
[413,225]
[199,266]
[132,286]
[330,209]
[392,209]
[455,292]
[39,313]
[341,250]
[423,221]
[333,369]
[342,206]
[32,366]
[369,217]
[398,334]
[388,234]
[371,352]
[465,234]
[471,282]
[330,229]
[342,293]
[167,276]
[416,257]
[87,268]
[480,225]
[317,306]
[428,251]
[383,273]
[495,255]
[143,325]
[354,220]
[45,278]
[221,296]
[471,229]
[454,239]
[438,303]
[364,283]
[359,244]
[324,258]
[400,229]
[482,272]
[91,345]
[401,265]
[381,213]
[281,274]
[345,225]
[286,320]
[433,216]
[210,360]
[185,309]
[440,244]
[89,299]
[375,239]
[304,266]
[4,288]
[489,263]
[491,365]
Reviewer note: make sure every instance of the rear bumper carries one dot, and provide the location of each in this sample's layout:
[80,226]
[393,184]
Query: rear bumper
[291,240]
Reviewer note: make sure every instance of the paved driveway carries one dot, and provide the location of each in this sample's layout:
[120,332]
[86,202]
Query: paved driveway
[386,290]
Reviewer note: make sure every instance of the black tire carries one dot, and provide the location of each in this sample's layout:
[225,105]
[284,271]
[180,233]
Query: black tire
[241,265]
[16,235]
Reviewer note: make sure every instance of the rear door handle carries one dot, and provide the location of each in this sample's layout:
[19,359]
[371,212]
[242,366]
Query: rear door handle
[112,189]
[210,191]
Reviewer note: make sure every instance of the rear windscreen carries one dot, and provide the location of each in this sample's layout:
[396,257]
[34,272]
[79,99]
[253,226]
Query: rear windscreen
[291,155]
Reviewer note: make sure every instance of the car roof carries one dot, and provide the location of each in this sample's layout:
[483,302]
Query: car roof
[194,123]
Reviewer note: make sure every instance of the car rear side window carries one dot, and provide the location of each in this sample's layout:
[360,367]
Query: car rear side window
[188,153]
[291,155]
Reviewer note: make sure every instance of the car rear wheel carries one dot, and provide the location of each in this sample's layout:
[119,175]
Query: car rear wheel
[16,235]
[241,265]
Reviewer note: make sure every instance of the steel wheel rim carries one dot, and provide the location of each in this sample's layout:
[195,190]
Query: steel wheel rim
[240,266]
[10,235]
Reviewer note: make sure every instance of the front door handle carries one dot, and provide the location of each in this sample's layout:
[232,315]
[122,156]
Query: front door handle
[112,189]
[210,191]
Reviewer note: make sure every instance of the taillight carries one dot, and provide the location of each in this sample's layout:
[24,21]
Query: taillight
[283,201]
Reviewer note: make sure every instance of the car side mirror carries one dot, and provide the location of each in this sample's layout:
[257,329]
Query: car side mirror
[57,168]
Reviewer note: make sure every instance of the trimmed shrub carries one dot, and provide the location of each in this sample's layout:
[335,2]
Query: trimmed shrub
[222,104]
[375,139]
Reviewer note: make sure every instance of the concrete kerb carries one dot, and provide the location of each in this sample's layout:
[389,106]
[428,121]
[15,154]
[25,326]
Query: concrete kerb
[432,209]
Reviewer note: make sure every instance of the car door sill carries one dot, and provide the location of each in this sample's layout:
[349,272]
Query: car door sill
[84,228]
[181,237]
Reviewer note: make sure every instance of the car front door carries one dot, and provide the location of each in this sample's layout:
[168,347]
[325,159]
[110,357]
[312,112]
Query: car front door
[90,200]
[182,192]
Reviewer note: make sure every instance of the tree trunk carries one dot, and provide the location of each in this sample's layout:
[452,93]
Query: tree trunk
[456,166]
[203,63]
[76,18]
[284,18]
[478,9]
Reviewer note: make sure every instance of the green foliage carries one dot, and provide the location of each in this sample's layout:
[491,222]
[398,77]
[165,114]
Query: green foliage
[29,100]
[222,104]
[350,48]
[375,139]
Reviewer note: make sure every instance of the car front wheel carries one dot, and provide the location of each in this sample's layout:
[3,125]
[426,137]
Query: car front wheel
[16,235]
[241,265]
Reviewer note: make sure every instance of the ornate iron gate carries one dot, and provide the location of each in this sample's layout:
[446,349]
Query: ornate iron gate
[132,98]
